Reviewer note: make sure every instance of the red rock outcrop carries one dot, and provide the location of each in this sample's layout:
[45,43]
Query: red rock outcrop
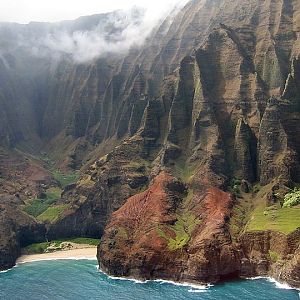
[138,240]
[131,244]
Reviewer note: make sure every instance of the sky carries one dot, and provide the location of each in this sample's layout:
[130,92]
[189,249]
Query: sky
[24,11]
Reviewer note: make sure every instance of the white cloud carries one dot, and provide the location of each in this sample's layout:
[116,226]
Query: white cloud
[84,46]
[87,45]
[24,11]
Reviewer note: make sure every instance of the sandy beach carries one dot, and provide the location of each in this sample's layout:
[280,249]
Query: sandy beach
[84,253]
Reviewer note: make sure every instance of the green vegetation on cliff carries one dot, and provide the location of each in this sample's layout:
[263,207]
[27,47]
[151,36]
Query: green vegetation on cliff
[183,170]
[235,187]
[53,213]
[285,220]
[292,198]
[65,179]
[182,230]
[46,209]
[252,212]
[274,256]
[37,206]
[240,214]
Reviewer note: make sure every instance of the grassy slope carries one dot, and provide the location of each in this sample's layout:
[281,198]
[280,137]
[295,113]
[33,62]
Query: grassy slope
[46,209]
[37,206]
[182,229]
[240,214]
[252,214]
[52,213]
[65,178]
[285,220]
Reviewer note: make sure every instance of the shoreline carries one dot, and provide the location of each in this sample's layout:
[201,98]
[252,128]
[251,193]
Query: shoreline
[201,286]
[90,254]
[81,253]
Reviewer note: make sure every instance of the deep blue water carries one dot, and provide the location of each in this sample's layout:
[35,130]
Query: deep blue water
[80,279]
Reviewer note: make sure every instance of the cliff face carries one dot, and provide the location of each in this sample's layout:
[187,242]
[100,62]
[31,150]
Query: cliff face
[188,145]
[157,234]
[229,111]
[16,230]
[256,261]
[87,104]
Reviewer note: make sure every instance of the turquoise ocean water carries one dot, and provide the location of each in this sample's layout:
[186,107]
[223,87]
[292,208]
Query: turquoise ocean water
[81,279]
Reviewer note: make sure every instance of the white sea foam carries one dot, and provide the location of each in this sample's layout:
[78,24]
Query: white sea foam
[195,288]
[186,284]
[127,279]
[279,285]
[8,270]
[123,278]
[5,271]
[197,291]
[257,278]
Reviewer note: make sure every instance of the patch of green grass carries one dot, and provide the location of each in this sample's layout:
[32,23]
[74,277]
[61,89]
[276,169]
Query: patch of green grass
[256,188]
[78,240]
[53,194]
[52,213]
[274,256]
[37,248]
[122,233]
[48,162]
[65,179]
[87,241]
[189,198]
[182,229]
[38,206]
[275,218]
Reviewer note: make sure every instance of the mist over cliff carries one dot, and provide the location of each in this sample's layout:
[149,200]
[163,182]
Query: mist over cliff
[87,38]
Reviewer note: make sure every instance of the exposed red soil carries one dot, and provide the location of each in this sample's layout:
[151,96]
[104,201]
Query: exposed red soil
[150,206]
[131,241]
[215,210]
[132,245]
